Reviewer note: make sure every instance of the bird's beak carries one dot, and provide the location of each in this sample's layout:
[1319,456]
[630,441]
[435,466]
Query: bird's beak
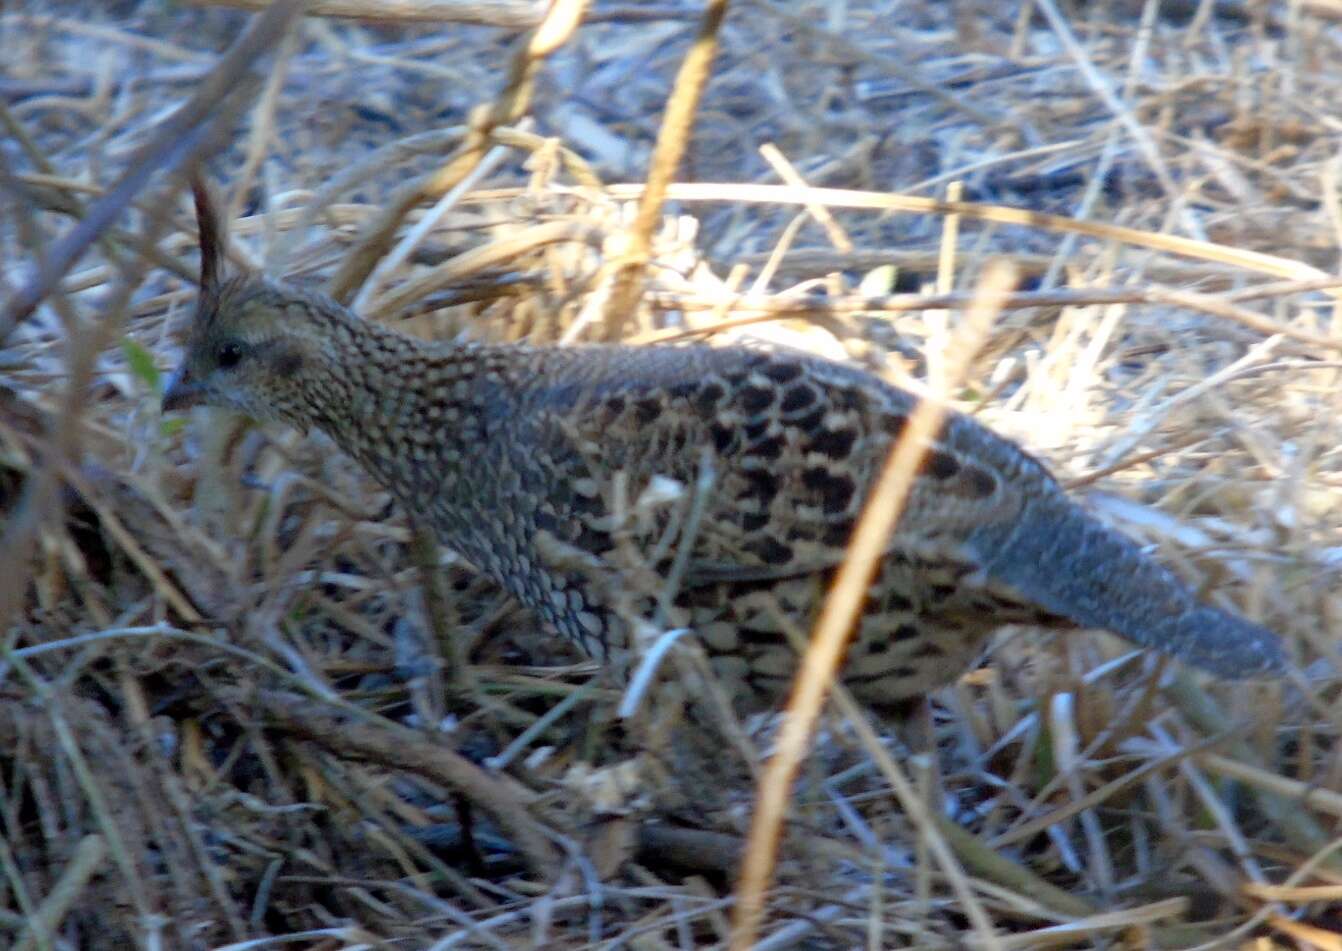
[182,392]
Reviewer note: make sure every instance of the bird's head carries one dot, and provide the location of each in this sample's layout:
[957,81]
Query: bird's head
[255,346]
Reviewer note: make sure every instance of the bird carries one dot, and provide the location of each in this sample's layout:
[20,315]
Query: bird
[531,462]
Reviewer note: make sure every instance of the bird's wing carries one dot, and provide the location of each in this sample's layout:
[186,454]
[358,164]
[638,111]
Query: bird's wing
[790,445]
[786,445]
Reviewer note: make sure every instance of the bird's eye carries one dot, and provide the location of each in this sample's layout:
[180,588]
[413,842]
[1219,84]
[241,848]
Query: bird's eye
[229,355]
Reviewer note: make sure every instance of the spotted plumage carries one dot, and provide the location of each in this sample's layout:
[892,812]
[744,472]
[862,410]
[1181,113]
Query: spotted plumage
[532,463]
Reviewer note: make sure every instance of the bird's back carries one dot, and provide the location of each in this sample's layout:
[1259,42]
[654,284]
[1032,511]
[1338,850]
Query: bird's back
[783,448]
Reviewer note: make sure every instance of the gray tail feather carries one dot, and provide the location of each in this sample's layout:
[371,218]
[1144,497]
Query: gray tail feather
[1071,564]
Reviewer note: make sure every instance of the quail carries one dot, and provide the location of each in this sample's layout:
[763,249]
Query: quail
[524,460]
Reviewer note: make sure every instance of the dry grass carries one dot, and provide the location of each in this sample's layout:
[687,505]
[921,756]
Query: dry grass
[241,698]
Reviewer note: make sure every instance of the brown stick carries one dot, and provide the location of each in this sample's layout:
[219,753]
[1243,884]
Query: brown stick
[509,14]
[398,747]
[764,309]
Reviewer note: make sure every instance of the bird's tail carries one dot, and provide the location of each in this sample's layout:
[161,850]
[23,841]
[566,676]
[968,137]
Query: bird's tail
[1068,562]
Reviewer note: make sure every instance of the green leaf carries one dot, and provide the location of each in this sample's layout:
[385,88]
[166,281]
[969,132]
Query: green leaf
[1045,764]
[142,364]
[171,425]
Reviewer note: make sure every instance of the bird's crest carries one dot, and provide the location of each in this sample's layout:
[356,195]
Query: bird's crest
[211,243]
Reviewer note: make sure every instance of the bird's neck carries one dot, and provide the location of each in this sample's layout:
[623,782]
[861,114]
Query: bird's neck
[412,413]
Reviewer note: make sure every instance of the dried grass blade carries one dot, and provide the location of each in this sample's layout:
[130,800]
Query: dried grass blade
[830,636]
